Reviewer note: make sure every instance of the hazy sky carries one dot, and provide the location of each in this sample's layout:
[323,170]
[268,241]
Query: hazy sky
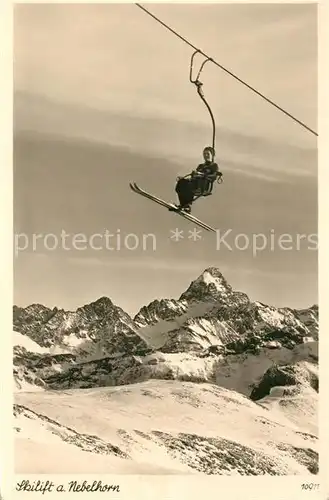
[102,98]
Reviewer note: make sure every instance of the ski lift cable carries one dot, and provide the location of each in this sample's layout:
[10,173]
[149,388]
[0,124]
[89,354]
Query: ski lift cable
[226,70]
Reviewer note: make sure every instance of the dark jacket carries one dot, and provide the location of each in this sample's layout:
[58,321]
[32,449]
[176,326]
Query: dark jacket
[208,169]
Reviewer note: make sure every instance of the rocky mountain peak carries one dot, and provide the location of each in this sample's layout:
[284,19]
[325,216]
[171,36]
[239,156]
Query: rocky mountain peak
[212,275]
[100,322]
[210,285]
[34,314]
[101,307]
[157,310]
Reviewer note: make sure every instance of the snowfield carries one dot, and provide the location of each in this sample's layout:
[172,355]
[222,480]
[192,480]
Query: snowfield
[160,426]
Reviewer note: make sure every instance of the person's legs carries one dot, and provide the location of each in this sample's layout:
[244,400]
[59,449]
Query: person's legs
[185,192]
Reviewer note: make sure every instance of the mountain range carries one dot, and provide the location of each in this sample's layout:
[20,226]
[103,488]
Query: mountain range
[210,382]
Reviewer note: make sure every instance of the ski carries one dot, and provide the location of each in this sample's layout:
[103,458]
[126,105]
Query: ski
[171,207]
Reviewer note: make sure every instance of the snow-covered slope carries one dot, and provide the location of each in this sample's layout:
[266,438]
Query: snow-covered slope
[28,344]
[240,372]
[158,426]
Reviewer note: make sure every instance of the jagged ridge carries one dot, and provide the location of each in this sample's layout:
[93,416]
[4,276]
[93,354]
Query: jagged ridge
[209,319]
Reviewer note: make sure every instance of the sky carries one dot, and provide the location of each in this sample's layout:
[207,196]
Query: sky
[102,98]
